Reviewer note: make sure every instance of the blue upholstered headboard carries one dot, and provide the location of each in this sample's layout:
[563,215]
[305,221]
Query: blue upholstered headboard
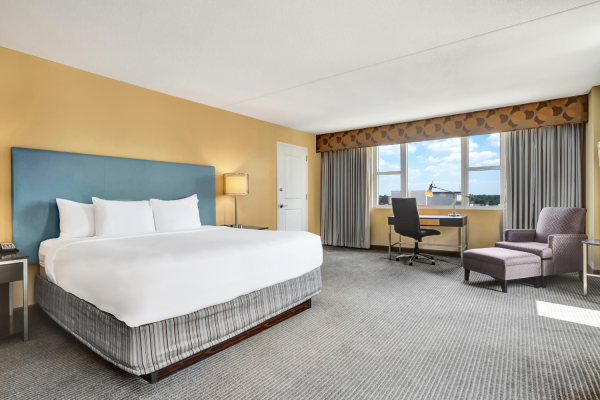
[40,176]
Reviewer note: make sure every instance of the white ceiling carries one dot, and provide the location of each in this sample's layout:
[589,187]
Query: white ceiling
[323,65]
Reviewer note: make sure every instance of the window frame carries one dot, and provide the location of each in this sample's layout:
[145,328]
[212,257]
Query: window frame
[465,169]
[377,174]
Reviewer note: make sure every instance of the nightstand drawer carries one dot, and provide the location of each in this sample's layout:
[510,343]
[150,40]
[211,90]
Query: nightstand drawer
[11,272]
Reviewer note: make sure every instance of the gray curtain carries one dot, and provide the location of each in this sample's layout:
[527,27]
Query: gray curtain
[346,198]
[543,169]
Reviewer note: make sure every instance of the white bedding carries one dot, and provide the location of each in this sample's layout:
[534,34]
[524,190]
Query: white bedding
[44,247]
[152,277]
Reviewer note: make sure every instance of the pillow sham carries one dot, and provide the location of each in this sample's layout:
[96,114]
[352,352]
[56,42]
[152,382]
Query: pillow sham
[176,215]
[122,218]
[76,219]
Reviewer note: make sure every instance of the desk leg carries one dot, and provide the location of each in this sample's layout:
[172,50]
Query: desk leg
[11,306]
[390,241]
[25,304]
[584,270]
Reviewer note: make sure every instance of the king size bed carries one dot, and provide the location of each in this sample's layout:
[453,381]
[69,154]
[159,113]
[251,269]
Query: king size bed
[154,303]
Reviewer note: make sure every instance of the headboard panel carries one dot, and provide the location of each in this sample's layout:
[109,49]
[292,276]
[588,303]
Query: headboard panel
[40,176]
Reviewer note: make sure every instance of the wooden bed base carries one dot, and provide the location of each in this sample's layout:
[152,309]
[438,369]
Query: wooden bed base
[193,359]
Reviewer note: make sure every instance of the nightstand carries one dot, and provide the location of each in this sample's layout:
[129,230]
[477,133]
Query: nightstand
[258,228]
[13,267]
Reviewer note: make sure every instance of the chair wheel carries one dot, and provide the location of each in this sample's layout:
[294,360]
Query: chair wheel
[433,263]
[410,263]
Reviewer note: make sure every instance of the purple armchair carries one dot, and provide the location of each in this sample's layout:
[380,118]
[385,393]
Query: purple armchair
[557,239]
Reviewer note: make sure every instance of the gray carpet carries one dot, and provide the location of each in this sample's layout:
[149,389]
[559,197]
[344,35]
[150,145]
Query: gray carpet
[379,329]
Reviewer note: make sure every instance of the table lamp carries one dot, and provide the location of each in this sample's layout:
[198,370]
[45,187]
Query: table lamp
[236,185]
[429,193]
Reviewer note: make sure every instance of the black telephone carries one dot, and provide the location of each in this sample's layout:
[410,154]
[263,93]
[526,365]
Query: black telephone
[8,248]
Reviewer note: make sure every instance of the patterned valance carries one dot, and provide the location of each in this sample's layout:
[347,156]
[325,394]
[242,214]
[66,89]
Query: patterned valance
[569,110]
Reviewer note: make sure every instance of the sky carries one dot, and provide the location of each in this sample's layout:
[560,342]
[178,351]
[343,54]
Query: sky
[439,162]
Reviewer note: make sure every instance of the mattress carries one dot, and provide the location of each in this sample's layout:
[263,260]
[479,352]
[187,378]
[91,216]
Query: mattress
[153,277]
[148,348]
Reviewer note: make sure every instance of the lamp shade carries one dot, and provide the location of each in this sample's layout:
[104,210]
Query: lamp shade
[236,184]
[429,192]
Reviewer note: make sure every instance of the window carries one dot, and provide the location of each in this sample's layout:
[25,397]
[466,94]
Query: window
[437,161]
[460,165]
[388,174]
[484,170]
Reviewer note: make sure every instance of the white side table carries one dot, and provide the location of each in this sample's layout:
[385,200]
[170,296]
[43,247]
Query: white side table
[586,243]
[13,267]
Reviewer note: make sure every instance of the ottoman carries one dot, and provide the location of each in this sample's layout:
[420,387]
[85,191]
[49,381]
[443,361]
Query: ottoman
[503,264]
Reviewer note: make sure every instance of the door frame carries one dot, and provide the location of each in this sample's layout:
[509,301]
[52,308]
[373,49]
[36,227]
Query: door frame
[277,181]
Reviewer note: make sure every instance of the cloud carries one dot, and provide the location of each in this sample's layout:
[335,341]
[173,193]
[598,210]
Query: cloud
[445,145]
[472,144]
[393,150]
[431,159]
[483,158]
[490,163]
[452,157]
[413,172]
[434,175]
[449,166]
[494,140]
[420,158]
[388,166]
[412,147]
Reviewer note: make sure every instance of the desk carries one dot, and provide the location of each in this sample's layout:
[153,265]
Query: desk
[434,221]
[258,228]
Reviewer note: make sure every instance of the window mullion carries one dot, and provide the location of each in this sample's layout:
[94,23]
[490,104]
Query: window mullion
[484,168]
[404,170]
[375,183]
[464,160]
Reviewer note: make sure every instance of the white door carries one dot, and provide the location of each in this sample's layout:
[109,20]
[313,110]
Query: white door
[292,188]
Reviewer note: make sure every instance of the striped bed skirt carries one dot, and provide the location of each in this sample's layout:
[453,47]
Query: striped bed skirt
[148,348]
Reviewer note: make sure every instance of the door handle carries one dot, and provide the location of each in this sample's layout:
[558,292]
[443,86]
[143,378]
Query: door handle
[282,205]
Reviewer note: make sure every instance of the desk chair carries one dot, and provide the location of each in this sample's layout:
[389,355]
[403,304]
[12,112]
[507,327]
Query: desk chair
[407,223]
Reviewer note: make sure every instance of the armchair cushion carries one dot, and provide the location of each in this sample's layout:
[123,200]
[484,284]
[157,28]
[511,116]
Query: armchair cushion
[519,235]
[541,250]
[553,220]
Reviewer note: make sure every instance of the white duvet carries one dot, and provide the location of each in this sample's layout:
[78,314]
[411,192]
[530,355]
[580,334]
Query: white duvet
[152,277]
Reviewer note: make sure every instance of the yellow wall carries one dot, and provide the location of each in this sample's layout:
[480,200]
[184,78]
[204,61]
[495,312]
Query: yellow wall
[592,174]
[485,228]
[50,106]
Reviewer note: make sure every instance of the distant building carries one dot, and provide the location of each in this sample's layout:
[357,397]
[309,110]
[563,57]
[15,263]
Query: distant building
[438,199]
[385,200]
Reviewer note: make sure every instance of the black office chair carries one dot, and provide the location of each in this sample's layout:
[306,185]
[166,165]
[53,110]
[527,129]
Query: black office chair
[407,223]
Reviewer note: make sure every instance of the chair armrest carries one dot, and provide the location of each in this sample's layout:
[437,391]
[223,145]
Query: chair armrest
[567,253]
[560,240]
[519,235]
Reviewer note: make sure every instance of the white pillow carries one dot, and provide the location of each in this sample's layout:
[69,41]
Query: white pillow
[76,219]
[122,218]
[176,215]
